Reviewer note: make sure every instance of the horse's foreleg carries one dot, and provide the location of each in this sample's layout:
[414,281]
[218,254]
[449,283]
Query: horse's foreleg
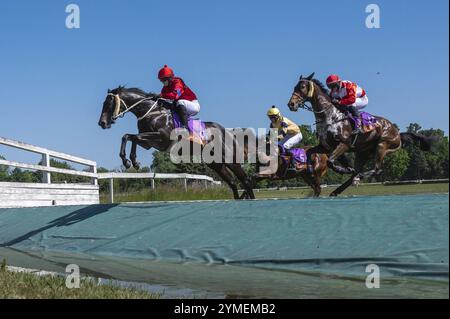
[360,161]
[135,163]
[344,186]
[340,150]
[144,139]
[123,147]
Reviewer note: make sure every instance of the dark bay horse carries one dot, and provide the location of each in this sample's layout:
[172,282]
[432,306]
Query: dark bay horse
[335,133]
[311,173]
[155,124]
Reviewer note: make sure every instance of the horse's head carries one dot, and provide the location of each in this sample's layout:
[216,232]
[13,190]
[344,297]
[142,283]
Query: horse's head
[303,92]
[109,108]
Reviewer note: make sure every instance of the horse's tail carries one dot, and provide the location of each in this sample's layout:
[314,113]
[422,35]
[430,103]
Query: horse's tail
[425,142]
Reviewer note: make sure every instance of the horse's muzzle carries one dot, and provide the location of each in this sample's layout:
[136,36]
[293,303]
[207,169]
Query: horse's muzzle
[103,124]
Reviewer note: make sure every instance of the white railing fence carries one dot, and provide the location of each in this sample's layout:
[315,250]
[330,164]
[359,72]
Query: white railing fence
[13,194]
[152,176]
[46,155]
[46,193]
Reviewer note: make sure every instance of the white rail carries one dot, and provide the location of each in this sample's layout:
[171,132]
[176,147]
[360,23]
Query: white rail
[14,194]
[17,194]
[46,168]
[150,175]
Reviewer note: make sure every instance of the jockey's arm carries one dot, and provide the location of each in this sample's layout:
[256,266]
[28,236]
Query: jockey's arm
[175,93]
[350,98]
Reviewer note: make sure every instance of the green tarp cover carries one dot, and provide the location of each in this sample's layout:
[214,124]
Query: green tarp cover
[403,235]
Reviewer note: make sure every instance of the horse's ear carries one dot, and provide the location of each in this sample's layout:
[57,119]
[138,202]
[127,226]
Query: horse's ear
[310,76]
[109,90]
[301,76]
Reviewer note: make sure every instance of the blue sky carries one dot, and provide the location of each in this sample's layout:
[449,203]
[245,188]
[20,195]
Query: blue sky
[240,57]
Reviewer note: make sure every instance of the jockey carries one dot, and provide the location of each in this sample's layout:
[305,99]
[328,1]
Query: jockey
[289,132]
[348,97]
[185,101]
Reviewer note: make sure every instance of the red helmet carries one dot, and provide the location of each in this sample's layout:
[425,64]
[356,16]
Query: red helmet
[332,79]
[165,72]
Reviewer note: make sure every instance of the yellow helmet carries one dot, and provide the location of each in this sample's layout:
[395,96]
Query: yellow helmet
[273,111]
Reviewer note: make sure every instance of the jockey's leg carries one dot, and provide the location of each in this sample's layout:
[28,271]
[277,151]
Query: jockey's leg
[192,108]
[289,142]
[361,102]
[187,109]
[356,116]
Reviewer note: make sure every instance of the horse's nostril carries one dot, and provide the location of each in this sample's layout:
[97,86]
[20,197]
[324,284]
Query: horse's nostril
[291,104]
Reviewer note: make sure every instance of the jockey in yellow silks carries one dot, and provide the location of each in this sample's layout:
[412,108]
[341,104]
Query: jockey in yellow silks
[289,133]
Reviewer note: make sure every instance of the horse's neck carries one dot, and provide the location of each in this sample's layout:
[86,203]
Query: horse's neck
[324,111]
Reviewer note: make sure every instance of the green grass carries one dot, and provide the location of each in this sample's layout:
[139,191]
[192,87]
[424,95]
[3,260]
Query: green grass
[15,285]
[361,190]
[172,193]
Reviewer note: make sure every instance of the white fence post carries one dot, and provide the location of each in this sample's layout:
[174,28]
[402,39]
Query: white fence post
[185,184]
[94,179]
[153,183]
[46,176]
[111,190]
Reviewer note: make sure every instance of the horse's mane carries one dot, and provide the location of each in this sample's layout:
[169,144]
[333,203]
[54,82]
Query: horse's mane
[321,86]
[122,88]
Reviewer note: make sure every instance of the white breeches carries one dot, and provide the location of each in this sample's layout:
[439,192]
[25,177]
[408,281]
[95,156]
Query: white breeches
[361,102]
[192,107]
[289,141]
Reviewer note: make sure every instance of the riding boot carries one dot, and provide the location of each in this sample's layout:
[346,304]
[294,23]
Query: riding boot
[356,115]
[183,116]
[291,166]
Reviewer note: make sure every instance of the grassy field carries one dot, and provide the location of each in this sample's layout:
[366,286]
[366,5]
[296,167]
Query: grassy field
[361,190]
[15,285]
[217,193]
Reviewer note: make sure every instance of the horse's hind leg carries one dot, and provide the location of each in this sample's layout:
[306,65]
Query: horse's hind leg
[226,176]
[244,179]
[382,150]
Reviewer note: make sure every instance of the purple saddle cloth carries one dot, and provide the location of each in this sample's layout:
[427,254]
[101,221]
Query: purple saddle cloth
[195,126]
[367,119]
[299,155]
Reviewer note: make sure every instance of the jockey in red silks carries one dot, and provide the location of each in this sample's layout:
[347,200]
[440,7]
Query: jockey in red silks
[185,101]
[348,97]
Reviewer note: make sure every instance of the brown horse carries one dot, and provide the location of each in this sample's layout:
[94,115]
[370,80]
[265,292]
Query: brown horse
[311,173]
[335,133]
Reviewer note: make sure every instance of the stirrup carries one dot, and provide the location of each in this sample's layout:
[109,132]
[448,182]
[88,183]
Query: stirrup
[357,131]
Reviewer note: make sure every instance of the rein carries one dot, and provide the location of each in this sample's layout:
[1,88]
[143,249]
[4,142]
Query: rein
[119,102]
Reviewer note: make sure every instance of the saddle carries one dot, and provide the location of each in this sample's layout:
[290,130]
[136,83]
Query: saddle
[298,158]
[368,122]
[196,128]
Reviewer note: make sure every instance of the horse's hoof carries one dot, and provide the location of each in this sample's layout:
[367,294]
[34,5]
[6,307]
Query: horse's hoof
[333,194]
[127,164]
[137,165]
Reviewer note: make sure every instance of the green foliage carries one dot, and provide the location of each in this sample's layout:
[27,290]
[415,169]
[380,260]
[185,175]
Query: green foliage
[3,171]
[428,165]
[395,165]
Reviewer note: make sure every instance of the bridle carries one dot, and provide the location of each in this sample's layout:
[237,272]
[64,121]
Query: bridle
[118,101]
[309,96]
